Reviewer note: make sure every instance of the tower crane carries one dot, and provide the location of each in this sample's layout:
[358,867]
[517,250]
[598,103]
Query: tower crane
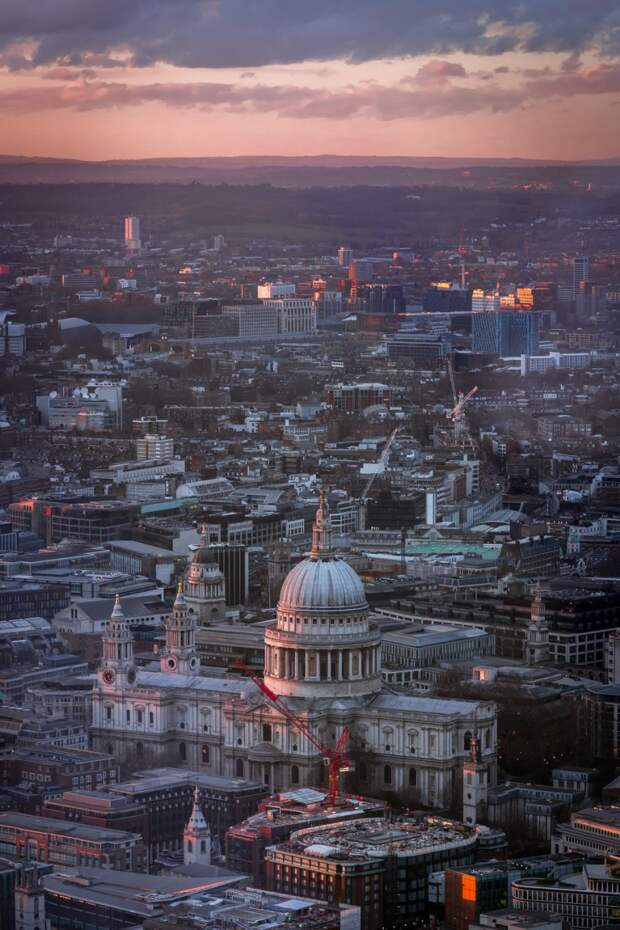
[381,462]
[461,433]
[335,757]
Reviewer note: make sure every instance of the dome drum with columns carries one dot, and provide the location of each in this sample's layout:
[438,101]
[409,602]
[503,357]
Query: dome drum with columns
[322,643]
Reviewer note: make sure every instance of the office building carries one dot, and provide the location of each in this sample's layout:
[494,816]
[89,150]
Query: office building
[583,901]
[275,290]
[381,865]
[155,447]
[101,808]
[234,563]
[282,815]
[418,350]
[590,300]
[593,832]
[345,256]
[581,272]
[296,315]
[382,299]
[92,521]
[562,426]
[506,332]
[485,301]
[353,398]
[25,836]
[166,797]
[58,768]
[28,599]
[487,886]
[539,364]
[12,335]
[133,242]
[447,297]
[253,319]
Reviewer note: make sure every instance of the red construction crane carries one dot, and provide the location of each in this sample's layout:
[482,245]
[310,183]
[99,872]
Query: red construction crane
[336,760]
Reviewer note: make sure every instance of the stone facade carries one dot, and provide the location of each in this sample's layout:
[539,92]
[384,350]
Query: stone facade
[323,656]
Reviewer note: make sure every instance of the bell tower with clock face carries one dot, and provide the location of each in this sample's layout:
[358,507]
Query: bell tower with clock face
[179,655]
[117,669]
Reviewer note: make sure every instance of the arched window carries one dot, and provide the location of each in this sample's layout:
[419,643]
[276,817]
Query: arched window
[203,846]
[266,732]
[205,754]
[487,739]
[412,736]
[295,774]
[413,778]
[387,739]
[387,774]
[190,846]
[139,749]
[183,751]
[239,768]
[467,741]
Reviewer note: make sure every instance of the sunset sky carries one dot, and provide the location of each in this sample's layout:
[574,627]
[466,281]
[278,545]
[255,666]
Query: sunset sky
[146,78]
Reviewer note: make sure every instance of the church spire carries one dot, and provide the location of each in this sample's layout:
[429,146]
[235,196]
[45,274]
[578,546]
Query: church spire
[179,655]
[117,647]
[322,534]
[197,836]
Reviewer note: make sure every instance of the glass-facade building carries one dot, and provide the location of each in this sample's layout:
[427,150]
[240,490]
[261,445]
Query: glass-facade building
[506,332]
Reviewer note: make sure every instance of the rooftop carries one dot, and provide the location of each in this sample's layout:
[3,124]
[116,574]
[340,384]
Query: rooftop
[378,838]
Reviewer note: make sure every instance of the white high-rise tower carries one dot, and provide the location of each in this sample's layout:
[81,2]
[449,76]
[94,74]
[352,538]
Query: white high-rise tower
[133,243]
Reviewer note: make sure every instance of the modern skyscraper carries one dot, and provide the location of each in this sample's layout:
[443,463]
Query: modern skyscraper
[345,256]
[133,242]
[581,271]
[506,332]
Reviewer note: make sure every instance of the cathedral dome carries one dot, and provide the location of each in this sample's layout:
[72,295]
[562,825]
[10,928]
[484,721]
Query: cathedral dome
[317,584]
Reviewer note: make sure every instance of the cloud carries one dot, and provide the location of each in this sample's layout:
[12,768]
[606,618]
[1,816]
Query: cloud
[437,71]
[240,33]
[439,88]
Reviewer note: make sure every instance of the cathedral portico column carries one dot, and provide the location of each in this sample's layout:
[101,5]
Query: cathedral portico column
[281,663]
[340,665]
[329,665]
[296,663]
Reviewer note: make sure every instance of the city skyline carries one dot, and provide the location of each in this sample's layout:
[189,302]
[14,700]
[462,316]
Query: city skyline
[168,80]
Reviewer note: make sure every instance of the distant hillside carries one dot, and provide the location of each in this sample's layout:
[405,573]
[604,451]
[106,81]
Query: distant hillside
[311,171]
